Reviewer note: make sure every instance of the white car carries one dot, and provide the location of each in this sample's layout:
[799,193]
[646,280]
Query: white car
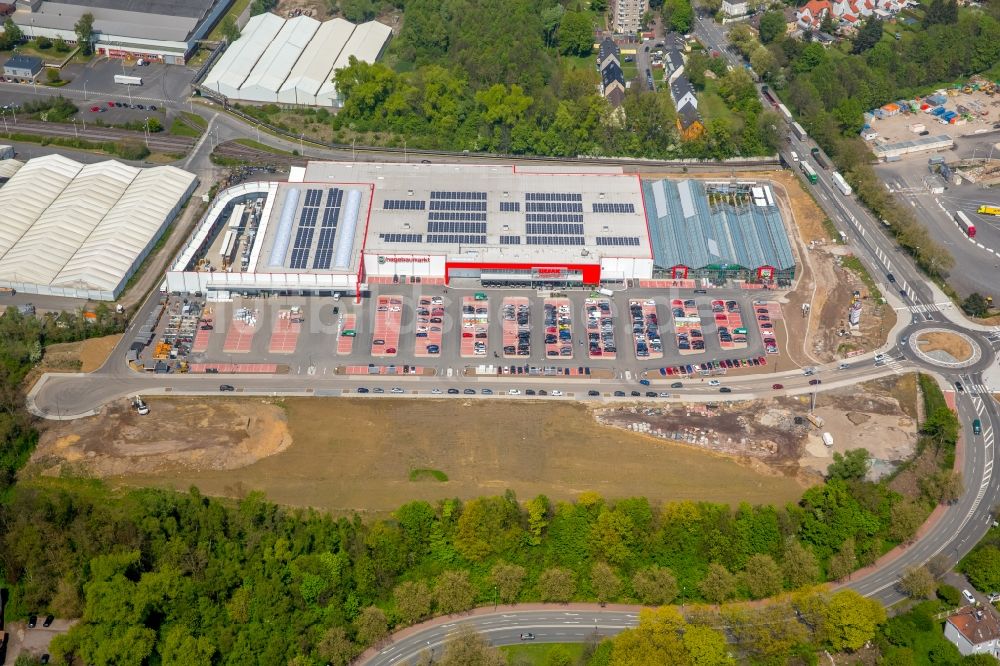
[514,392]
[397,390]
[556,393]
[714,382]
[436,391]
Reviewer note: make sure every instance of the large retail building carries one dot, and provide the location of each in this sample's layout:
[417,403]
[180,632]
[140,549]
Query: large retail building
[335,227]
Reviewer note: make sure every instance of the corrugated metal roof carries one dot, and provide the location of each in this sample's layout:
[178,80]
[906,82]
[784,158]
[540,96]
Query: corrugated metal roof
[689,229]
[233,67]
[365,44]
[277,61]
[191,8]
[66,224]
[315,66]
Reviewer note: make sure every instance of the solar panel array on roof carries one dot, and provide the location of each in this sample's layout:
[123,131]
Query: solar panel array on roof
[313,198]
[510,240]
[614,208]
[457,227]
[553,217]
[404,204]
[463,196]
[555,240]
[554,207]
[306,228]
[534,228]
[510,206]
[458,205]
[618,240]
[553,196]
[456,216]
[401,238]
[328,230]
[456,238]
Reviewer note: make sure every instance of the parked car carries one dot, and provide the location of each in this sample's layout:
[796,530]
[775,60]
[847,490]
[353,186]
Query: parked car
[777,387]
[453,391]
[362,389]
[227,387]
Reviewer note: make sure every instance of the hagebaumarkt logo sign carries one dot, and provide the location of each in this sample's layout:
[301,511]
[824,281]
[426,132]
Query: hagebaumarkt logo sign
[381,260]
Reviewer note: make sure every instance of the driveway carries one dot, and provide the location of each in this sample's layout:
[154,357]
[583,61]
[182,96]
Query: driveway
[32,641]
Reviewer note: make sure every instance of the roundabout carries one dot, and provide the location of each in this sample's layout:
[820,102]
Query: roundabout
[945,348]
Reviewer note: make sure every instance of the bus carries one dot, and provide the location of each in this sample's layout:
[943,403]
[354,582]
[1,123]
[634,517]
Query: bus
[966,224]
[989,210]
[809,172]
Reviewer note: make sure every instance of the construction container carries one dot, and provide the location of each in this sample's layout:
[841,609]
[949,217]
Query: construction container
[917,128]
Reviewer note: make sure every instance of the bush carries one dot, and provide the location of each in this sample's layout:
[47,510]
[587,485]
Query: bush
[52,75]
[43,43]
[950,595]
[60,45]
[975,305]
[128,150]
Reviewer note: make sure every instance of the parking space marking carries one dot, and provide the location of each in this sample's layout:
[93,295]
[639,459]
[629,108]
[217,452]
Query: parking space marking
[729,322]
[475,325]
[239,338]
[558,328]
[600,329]
[687,326]
[516,314]
[772,311]
[385,337]
[285,334]
[429,326]
[346,335]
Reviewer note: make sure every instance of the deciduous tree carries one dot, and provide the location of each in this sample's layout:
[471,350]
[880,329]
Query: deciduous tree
[604,581]
[762,577]
[453,591]
[413,601]
[799,564]
[467,648]
[655,585]
[371,625]
[508,579]
[917,583]
[852,620]
[718,585]
[556,584]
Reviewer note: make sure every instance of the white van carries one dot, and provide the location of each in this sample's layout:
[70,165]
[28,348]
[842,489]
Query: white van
[795,156]
[968,596]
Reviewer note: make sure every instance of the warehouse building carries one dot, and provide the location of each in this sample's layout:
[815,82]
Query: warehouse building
[338,226]
[292,61]
[155,30]
[81,231]
[717,231]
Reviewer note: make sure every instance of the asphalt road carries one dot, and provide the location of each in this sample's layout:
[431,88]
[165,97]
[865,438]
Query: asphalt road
[506,628]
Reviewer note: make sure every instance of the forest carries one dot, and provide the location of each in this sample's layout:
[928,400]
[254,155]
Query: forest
[459,77]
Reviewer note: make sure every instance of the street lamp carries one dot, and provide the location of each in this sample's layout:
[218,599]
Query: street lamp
[147,132]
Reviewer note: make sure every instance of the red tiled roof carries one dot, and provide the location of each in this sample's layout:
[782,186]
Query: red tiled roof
[978,626]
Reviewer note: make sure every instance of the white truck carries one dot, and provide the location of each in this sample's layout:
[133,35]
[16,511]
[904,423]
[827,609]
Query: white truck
[841,184]
[128,80]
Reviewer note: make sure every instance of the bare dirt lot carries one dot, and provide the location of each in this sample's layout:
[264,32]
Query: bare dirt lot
[358,455]
[951,344]
[879,417]
[185,433]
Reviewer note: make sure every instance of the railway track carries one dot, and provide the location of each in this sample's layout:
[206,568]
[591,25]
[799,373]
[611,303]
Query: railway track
[157,143]
[236,151]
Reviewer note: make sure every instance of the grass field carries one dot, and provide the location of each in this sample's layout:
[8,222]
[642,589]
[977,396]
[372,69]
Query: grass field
[542,654]
[357,455]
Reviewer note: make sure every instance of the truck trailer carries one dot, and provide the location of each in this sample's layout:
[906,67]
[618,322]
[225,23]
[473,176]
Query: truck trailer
[800,131]
[966,224]
[128,80]
[841,184]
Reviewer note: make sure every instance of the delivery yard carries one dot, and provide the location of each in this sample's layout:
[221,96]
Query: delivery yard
[359,454]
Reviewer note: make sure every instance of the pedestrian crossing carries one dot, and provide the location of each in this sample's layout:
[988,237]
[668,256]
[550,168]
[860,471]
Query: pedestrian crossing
[894,364]
[921,308]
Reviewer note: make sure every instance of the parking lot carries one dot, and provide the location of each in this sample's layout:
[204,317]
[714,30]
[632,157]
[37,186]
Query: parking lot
[453,331]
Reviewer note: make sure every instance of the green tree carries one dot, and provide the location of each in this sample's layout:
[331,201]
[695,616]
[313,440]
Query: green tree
[941,425]
[604,581]
[52,75]
[12,33]
[556,584]
[453,592]
[336,648]
[852,620]
[84,29]
[827,25]
[906,518]
[508,580]
[844,561]
[718,585]
[539,511]
[181,648]
[762,577]
[943,486]
[575,34]
[60,45]
[799,565]
[467,648]
[707,647]
[358,11]
[371,626]
[975,305]
[413,601]
[229,29]
[772,26]
[852,465]
[868,35]
[917,583]
[655,585]
[982,566]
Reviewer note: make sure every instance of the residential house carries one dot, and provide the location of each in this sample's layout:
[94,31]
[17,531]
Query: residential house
[673,64]
[974,631]
[613,83]
[810,15]
[22,67]
[689,123]
[612,77]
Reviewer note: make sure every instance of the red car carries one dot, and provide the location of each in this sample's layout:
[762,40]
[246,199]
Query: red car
[111,104]
[777,387]
[95,109]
